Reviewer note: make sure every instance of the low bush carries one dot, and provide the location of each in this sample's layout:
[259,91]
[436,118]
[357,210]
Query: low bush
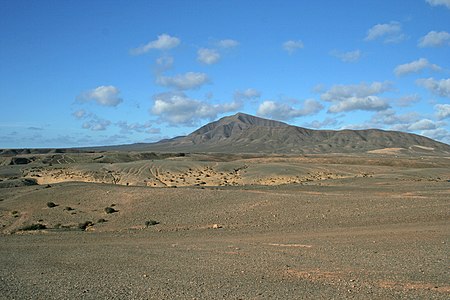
[33,227]
[85,225]
[51,204]
[151,223]
[110,210]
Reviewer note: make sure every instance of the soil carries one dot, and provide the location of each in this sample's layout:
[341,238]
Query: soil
[318,227]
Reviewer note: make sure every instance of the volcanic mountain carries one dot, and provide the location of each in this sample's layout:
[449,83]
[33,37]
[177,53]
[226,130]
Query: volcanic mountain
[243,133]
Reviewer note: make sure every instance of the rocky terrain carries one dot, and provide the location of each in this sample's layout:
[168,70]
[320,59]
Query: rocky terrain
[242,133]
[115,224]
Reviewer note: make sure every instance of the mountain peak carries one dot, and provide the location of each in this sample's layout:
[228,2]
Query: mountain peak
[251,120]
[243,133]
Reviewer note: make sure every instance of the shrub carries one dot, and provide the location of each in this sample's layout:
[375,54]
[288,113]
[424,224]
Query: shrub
[110,210]
[101,220]
[151,223]
[51,204]
[33,227]
[68,208]
[85,225]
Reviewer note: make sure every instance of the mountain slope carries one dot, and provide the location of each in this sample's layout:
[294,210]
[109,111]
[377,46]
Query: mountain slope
[242,133]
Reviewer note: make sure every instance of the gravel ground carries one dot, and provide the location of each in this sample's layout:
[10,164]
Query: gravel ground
[364,238]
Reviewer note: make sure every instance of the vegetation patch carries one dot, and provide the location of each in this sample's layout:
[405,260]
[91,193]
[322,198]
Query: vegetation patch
[85,225]
[110,210]
[51,204]
[36,226]
[151,223]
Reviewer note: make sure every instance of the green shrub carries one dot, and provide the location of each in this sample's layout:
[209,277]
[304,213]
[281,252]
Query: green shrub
[33,227]
[110,210]
[51,204]
[85,225]
[151,223]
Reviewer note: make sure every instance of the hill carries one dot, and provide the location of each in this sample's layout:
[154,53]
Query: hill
[243,133]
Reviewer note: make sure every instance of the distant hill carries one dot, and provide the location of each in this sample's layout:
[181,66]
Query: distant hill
[243,133]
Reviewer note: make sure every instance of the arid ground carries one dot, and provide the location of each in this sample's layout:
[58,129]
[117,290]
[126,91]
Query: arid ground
[117,225]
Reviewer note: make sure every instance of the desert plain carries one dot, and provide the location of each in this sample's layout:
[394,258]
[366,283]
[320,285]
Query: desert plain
[144,225]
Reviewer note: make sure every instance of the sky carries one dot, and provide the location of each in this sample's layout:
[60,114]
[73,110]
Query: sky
[88,73]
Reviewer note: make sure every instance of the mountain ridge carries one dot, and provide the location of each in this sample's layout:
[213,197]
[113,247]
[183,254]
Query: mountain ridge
[244,133]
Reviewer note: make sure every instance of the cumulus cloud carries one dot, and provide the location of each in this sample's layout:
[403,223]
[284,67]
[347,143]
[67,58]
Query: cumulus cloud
[357,97]
[390,117]
[190,80]
[102,95]
[79,114]
[438,87]
[424,124]
[291,46]
[248,94]
[164,63]
[408,100]
[208,56]
[282,111]
[342,92]
[350,56]
[163,42]
[178,109]
[442,111]
[440,134]
[415,67]
[388,32]
[328,122]
[227,43]
[96,123]
[369,103]
[126,127]
[435,39]
[439,2]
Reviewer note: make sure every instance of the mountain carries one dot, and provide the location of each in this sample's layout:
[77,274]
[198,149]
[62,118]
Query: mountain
[242,133]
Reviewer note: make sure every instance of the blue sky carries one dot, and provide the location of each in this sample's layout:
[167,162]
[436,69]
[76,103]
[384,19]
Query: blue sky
[84,73]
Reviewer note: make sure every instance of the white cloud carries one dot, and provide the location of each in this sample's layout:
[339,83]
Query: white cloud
[415,67]
[227,43]
[208,56]
[79,114]
[350,56]
[282,111]
[357,97]
[442,111]
[126,127]
[408,100]
[328,122]
[164,63]
[424,124]
[163,42]
[248,94]
[439,2]
[390,117]
[369,103]
[437,87]
[292,46]
[190,80]
[440,134]
[435,39]
[342,92]
[389,32]
[96,124]
[102,95]
[178,109]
